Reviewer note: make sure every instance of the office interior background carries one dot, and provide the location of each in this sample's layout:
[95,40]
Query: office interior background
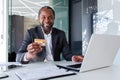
[78,18]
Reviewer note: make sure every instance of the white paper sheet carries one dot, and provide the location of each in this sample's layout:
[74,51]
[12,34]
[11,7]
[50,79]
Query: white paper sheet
[41,73]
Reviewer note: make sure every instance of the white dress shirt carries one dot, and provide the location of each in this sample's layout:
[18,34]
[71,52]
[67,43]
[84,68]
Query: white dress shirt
[49,56]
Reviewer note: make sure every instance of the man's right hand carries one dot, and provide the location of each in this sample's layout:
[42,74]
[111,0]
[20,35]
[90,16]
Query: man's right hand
[33,49]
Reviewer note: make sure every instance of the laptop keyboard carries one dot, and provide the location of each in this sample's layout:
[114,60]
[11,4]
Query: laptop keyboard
[74,65]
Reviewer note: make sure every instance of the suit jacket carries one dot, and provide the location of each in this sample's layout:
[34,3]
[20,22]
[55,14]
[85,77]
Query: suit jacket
[59,45]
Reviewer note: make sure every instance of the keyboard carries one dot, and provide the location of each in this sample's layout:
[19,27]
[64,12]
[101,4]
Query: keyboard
[74,65]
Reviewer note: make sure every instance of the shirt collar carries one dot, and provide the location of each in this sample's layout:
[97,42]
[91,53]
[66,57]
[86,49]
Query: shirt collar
[45,33]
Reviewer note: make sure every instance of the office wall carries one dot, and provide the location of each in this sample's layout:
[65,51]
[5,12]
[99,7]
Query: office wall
[76,21]
[75,25]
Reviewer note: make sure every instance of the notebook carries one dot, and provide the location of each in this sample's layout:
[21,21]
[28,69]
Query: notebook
[100,53]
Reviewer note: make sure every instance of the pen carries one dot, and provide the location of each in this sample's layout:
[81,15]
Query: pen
[5,76]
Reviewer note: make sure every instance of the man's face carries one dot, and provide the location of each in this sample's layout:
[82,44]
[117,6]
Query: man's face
[46,19]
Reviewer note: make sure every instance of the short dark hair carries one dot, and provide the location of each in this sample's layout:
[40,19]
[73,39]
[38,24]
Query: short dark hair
[47,7]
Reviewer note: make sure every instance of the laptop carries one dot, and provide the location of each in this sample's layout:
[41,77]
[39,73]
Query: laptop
[100,53]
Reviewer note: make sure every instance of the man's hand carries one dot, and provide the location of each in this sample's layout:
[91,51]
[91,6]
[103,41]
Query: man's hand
[77,58]
[33,49]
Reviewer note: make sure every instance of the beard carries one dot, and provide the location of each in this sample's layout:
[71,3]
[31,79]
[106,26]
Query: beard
[47,27]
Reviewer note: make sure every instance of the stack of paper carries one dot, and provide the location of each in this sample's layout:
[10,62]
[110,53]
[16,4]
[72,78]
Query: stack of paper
[43,73]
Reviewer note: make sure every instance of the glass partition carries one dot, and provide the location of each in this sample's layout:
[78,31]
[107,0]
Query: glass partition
[23,15]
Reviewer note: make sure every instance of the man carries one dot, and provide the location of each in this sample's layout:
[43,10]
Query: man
[56,43]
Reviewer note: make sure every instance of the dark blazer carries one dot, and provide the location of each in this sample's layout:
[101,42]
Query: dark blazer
[59,45]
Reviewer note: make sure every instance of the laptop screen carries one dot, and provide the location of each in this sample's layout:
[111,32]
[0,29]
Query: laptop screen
[101,51]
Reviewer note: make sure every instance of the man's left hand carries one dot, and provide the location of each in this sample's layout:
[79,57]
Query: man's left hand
[77,58]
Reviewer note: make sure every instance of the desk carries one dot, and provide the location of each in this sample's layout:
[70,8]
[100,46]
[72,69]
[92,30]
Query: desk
[109,73]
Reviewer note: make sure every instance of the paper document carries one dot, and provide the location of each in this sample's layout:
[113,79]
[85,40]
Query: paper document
[42,73]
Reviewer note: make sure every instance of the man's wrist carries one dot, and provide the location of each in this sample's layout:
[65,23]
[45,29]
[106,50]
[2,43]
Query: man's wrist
[25,57]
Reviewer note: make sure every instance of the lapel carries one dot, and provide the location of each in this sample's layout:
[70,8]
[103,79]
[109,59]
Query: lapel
[40,33]
[54,40]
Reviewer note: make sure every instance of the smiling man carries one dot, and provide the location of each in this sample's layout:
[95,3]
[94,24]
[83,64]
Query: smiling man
[56,43]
